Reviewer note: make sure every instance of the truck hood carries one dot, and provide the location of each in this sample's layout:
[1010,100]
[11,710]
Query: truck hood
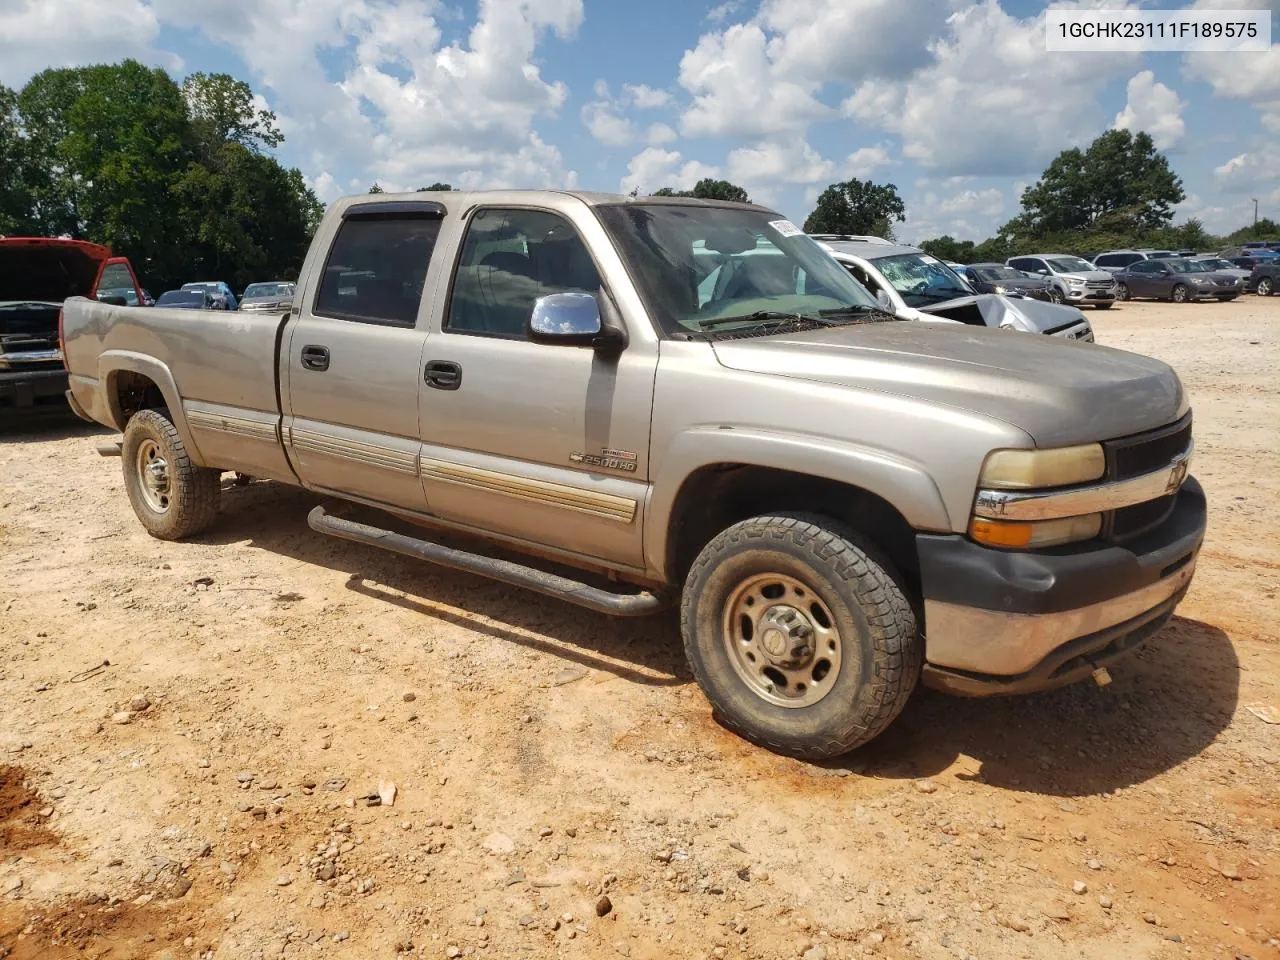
[48,270]
[1059,392]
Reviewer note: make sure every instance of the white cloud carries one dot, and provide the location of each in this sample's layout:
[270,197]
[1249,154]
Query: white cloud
[775,162]
[604,123]
[1154,108]
[660,133]
[991,102]
[1244,76]
[1253,170]
[654,168]
[990,202]
[864,162]
[644,97]
[723,11]
[35,34]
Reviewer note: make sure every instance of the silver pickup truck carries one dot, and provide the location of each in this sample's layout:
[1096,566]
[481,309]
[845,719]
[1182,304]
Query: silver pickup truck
[842,503]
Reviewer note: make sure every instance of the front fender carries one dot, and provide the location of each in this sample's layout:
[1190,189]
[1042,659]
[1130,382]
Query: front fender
[900,482]
[111,363]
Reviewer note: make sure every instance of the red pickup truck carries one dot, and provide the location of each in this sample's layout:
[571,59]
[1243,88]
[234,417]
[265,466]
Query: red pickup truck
[36,275]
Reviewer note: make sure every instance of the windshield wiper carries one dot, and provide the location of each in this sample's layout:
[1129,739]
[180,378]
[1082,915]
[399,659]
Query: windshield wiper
[777,316]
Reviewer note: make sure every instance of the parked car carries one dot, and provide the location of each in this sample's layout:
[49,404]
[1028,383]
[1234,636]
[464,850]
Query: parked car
[1219,265]
[914,285]
[842,503]
[188,300]
[1265,278]
[1262,245]
[1078,281]
[223,298]
[1113,261]
[1178,280]
[267,297]
[997,278]
[1252,254]
[37,274]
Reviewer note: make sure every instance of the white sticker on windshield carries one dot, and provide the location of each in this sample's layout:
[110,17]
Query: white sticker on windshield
[786,228]
[925,258]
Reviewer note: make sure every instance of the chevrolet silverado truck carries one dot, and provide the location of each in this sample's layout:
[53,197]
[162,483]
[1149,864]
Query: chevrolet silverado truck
[843,504]
[36,275]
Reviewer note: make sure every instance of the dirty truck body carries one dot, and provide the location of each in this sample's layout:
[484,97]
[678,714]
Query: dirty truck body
[842,503]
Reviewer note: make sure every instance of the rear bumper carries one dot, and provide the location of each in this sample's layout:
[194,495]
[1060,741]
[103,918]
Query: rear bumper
[26,389]
[1000,622]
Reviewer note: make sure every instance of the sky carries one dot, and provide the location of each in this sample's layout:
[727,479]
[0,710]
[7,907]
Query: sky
[955,102]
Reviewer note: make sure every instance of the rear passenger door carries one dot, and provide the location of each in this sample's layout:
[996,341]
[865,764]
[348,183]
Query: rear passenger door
[534,441]
[352,357]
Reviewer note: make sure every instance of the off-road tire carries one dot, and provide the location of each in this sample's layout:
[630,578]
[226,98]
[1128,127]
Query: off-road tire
[1266,287]
[882,648]
[1174,295]
[194,491]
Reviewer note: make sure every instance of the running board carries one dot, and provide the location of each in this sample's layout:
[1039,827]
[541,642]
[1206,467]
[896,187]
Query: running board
[518,575]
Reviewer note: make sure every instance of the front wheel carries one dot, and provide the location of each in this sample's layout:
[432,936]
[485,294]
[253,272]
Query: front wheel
[1122,292]
[800,635]
[171,496]
[1179,294]
[1266,287]
[1055,295]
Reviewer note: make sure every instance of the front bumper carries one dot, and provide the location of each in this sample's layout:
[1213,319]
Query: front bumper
[1002,622]
[25,389]
[1090,296]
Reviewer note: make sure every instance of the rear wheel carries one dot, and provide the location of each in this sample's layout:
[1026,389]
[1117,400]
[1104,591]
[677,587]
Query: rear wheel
[1122,292]
[1179,293]
[800,635]
[1266,287]
[171,496]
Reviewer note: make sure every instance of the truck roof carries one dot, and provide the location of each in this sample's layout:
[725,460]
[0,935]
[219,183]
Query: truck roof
[467,198]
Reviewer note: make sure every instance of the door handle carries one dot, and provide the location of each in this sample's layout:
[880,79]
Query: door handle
[443,374]
[315,357]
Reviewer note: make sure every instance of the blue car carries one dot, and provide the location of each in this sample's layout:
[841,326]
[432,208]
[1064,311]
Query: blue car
[223,298]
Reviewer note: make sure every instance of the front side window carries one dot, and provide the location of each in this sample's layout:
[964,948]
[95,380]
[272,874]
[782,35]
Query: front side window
[702,268]
[509,259]
[377,268]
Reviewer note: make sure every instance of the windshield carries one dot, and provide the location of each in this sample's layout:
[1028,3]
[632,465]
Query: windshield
[268,290]
[921,279]
[999,273]
[1186,266]
[1219,264]
[180,296]
[1069,265]
[696,267]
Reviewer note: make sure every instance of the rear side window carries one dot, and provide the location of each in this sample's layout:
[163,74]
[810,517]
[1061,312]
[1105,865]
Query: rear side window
[377,268]
[509,259]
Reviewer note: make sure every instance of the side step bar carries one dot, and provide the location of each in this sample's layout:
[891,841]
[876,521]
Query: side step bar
[518,575]
[110,448]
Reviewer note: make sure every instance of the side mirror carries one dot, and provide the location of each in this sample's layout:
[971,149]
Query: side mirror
[571,319]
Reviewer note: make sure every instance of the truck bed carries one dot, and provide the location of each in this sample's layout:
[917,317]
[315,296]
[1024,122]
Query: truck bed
[226,361]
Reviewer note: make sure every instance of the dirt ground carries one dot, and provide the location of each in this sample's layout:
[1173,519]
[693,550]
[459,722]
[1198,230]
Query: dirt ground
[190,732]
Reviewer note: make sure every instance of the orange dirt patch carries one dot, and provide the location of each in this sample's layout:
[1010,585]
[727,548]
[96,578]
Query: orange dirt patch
[21,826]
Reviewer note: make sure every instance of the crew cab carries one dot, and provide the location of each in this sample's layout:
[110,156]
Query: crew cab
[842,503]
[36,275]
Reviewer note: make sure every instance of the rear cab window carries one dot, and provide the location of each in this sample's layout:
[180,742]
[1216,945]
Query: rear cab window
[377,266]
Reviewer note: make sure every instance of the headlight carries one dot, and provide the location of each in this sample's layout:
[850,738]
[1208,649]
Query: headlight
[1000,289]
[1054,467]
[1042,533]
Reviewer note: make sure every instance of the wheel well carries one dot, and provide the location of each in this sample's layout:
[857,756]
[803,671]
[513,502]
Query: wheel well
[132,392]
[721,495]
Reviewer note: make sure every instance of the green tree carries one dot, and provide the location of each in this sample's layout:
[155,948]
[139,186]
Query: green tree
[222,110]
[376,188]
[949,248]
[1264,229]
[709,189]
[15,197]
[857,207]
[1121,183]
[442,187]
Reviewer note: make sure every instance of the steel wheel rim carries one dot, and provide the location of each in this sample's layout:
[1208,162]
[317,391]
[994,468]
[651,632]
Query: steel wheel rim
[154,481]
[782,640]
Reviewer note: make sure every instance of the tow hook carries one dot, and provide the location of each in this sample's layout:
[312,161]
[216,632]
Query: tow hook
[1101,676]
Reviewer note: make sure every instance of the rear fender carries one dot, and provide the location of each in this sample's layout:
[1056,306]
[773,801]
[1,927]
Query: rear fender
[112,363]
